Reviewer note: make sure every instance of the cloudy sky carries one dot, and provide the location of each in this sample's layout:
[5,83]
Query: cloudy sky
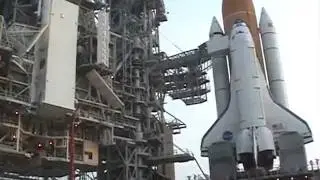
[297,23]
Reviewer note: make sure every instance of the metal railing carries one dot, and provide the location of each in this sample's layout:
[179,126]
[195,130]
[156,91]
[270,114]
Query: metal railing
[308,171]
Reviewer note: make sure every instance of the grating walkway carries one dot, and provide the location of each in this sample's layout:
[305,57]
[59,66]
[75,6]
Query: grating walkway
[185,157]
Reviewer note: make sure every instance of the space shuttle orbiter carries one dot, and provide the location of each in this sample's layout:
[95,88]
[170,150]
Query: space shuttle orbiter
[251,101]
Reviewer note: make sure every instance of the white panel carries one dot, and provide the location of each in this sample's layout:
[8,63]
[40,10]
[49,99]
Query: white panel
[103,38]
[61,59]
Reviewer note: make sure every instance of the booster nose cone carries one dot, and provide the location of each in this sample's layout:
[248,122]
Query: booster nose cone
[265,20]
[215,27]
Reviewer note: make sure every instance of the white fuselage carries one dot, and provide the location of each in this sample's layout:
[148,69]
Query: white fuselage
[246,90]
[245,79]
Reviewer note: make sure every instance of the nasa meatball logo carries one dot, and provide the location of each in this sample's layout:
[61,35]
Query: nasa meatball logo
[227,135]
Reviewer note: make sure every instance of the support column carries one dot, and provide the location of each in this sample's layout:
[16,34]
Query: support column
[222,161]
[292,153]
[18,132]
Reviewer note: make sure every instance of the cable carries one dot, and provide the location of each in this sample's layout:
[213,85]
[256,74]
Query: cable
[195,159]
[176,46]
[204,175]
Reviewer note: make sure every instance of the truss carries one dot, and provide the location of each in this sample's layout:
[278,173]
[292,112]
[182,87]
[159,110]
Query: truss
[128,135]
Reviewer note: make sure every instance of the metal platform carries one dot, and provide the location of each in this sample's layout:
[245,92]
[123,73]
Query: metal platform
[177,158]
[277,175]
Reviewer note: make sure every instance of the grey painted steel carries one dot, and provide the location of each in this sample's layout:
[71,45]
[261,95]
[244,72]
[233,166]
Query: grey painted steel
[45,18]
[222,161]
[220,72]
[292,153]
[272,59]
[316,176]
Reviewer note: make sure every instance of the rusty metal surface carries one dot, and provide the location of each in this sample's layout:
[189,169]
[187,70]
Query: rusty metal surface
[244,10]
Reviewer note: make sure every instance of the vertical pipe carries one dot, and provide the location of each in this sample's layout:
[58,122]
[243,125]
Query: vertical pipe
[2,23]
[136,65]
[45,12]
[36,88]
[18,132]
[103,33]
[39,9]
[15,9]
[71,150]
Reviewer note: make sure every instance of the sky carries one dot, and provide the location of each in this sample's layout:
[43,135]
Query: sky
[298,26]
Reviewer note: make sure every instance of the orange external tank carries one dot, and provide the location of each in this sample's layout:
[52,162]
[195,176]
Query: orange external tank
[244,10]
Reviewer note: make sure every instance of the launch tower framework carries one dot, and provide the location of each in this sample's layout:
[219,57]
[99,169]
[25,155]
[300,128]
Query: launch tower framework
[96,66]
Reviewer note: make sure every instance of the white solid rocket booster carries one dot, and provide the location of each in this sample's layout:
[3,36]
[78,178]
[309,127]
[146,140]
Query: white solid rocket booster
[272,59]
[220,71]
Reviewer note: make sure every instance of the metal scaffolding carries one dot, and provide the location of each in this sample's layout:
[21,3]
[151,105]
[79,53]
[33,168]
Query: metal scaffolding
[121,132]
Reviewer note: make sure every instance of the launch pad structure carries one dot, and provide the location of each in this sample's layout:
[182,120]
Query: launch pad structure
[85,81]
[82,89]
